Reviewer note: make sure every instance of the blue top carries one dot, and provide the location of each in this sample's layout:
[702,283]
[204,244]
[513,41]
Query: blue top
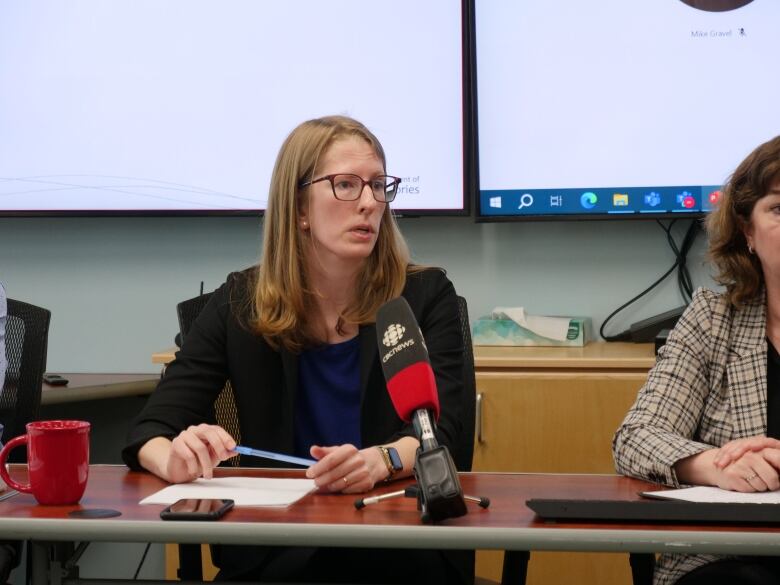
[327,403]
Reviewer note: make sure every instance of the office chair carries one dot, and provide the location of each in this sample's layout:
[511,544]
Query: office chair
[225,413]
[463,452]
[187,311]
[225,405]
[26,342]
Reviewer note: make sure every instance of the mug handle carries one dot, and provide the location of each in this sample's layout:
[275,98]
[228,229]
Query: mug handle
[15,442]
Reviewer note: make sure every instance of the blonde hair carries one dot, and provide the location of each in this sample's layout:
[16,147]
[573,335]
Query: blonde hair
[282,298]
[739,269]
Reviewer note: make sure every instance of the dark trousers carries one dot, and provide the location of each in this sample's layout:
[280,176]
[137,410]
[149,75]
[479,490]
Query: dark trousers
[351,565]
[736,571]
[10,553]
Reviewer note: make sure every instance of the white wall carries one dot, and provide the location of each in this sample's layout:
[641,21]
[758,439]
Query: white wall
[112,283]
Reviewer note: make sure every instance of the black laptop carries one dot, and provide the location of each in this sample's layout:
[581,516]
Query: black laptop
[653,510]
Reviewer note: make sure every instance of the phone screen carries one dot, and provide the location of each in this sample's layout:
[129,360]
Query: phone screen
[196,509]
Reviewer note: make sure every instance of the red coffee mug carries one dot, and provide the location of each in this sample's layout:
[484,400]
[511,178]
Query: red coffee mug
[58,460]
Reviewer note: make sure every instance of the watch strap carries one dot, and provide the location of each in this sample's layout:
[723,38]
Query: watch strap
[387,457]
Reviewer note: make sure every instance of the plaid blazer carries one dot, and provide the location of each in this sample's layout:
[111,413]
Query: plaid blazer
[708,386]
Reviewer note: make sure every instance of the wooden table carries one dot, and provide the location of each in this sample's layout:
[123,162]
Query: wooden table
[332,520]
[98,387]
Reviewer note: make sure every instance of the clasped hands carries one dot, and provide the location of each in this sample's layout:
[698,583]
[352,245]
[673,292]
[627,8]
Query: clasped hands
[748,465]
[343,468]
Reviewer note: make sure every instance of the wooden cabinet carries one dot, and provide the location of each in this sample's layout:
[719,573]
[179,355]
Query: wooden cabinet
[554,410]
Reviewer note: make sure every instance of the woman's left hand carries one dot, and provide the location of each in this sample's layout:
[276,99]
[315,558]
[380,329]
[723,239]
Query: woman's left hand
[345,468]
[755,471]
[734,450]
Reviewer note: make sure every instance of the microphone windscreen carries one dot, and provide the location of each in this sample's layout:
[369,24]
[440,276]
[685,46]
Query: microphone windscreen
[405,362]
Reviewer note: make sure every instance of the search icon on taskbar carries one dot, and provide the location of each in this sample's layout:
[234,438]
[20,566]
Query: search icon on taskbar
[526,200]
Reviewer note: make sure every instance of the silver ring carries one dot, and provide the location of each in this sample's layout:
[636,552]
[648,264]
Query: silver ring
[750,477]
[346,482]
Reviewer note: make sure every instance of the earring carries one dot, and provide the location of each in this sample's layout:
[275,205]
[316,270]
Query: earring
[304,224]
[750,249]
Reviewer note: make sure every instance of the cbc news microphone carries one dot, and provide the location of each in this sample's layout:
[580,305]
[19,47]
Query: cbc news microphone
[412,388]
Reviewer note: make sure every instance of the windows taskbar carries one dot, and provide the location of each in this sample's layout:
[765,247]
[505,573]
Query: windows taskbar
[599,201]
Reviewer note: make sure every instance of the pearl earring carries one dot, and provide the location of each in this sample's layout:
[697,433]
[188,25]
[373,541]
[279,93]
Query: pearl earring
[304,224]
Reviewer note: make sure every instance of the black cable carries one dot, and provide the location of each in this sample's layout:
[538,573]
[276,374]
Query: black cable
[143,558]
[684,274]
[684,281]
[626,335]
[683,278]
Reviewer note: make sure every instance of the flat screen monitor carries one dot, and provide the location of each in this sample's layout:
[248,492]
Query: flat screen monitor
[615,109]
[178,107]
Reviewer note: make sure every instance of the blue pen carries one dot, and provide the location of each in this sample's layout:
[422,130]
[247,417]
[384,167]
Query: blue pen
[275,456]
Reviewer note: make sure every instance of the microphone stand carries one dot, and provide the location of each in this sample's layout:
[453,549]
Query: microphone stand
[437,491]
[412,491]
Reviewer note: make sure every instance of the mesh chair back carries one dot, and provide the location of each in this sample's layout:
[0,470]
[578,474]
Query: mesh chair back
[188,310]
[463,453]
[225,412]
[226,415]
[26,342]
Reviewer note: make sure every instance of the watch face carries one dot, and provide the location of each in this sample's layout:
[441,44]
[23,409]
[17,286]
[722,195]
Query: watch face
[395,459]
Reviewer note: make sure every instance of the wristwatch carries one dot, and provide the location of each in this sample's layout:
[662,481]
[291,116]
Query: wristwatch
[392,461]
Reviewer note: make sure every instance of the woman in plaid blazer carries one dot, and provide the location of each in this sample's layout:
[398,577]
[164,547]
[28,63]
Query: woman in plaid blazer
[704,416]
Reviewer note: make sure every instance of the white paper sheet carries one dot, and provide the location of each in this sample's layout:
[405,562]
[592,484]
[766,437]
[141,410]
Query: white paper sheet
[246,491]
[707,494]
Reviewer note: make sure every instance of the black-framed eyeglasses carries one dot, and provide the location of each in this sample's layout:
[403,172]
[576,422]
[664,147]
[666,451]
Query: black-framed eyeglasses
[348,187]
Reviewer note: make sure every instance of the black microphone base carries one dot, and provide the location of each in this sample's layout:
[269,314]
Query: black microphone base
[441,496]
[413,491]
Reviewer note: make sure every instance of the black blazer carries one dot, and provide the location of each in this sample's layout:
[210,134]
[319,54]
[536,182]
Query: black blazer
[218,347]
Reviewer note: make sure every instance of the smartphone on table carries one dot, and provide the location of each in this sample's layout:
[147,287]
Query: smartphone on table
[197,509]
[55,380]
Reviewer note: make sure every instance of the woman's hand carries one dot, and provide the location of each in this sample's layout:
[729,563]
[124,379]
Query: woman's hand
[346,469]
[735,449]
[754,471]
[196,451]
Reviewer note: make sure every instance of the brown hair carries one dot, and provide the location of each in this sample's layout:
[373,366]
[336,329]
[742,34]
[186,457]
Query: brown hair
[738,269]
[282,299]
